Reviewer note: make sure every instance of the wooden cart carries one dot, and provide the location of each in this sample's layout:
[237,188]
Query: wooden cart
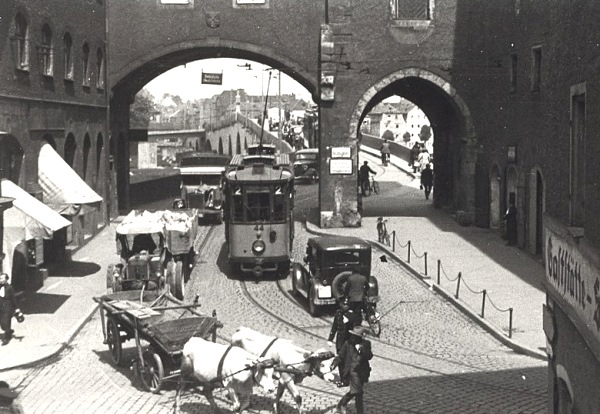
[162,321]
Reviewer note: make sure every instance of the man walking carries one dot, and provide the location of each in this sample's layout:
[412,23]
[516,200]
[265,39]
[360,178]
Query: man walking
[363,177]
[427,180]
[8,307]
[354,358]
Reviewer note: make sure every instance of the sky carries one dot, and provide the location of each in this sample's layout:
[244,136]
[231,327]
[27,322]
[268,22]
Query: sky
[185,80]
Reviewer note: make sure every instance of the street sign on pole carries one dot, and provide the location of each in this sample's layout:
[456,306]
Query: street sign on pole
[212,78]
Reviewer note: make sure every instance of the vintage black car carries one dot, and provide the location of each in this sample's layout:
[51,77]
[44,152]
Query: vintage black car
[306,165]
[329,260]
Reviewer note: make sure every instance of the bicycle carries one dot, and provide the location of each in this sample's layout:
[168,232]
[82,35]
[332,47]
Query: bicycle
[373,318]
[373,186]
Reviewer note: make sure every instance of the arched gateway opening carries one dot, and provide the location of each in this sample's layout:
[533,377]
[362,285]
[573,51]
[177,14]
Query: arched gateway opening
[454,144]
[131,79]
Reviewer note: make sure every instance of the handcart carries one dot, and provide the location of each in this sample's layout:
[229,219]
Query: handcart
[163,321]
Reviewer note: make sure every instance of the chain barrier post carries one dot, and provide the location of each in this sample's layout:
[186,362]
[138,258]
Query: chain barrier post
[439,270]
[483,304]
[510,317]
[425,263]
[458,284]
[394,240]
[408,252]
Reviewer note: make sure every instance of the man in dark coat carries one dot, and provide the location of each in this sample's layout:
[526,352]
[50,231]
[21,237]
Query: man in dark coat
[343,322]
[363,177]
[8,307]
[511,223]
[354,358]
[427,180]
[355,289]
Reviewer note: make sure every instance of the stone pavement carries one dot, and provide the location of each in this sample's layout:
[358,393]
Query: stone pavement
[511,277]
[55,313]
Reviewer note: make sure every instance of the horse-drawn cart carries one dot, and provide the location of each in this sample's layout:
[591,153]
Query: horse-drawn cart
[162,321]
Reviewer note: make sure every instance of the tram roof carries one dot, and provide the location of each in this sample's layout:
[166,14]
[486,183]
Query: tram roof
[259,167]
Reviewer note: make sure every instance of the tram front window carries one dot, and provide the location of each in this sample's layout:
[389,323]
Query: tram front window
[258,206]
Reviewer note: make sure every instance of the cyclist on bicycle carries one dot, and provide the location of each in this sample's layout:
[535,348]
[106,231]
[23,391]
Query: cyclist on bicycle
[363,177]
[355,289]
[385,152]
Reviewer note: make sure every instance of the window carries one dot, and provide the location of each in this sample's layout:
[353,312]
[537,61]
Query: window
[87,146]
[68,56]
[46,52]
[21,43]
[411,9]
[86,65]
[536,68]
[513,72]
[577,173]
[70,149]
[99,69]
[99,148]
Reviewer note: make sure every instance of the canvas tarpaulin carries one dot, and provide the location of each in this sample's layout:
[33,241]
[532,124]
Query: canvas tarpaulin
[63,188]
[29,218]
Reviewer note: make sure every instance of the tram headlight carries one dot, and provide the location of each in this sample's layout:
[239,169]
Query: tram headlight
[258,247]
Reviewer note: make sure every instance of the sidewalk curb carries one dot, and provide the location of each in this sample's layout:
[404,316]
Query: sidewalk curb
[464,308]
[57,349]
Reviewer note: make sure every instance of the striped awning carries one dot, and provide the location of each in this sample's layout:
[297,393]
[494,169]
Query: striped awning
[62,187]
[31,217]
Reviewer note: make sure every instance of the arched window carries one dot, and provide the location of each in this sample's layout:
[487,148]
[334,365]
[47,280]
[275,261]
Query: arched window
[21,42]
[86,65]
[46,52]
[87,145]
[11,157]
[70,149]
[68,56]
[99,69]
[99,148]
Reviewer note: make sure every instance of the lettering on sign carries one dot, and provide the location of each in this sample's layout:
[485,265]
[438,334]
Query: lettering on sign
[212,78]
[340,152]
[574,279]
[340,166]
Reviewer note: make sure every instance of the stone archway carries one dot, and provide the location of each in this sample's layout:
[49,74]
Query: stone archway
[451,122]
[133,76]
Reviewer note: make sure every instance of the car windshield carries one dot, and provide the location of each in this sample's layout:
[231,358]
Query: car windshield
[306,156]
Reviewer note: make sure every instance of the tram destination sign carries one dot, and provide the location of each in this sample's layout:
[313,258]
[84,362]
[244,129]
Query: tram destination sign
[212,78]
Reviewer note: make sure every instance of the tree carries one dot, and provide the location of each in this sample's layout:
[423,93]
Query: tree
[425,133]
[389,135]
[141,110]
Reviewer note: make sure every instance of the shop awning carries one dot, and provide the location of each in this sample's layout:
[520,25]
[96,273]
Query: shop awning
[63,188]
[29,218]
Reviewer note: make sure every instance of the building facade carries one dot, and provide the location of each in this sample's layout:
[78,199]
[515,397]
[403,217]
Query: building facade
[53,90]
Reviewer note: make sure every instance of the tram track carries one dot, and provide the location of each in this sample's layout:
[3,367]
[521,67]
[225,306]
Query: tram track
[390,346]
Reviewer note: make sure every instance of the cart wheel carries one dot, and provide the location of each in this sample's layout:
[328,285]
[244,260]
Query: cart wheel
[113,338]
[151,371]
[178,282]
[313,309]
